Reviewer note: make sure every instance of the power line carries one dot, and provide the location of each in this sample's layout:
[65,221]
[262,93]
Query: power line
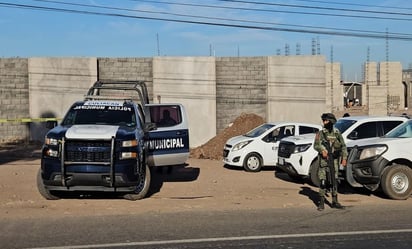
[318,7]
[342,33]
[277,11]
[217,18]
[354,4]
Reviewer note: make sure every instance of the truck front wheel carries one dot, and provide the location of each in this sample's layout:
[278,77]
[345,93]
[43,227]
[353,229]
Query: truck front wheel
[43,190]
[142,186]
[396,182]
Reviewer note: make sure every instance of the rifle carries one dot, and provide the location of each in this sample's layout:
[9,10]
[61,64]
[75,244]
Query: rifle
[331,177]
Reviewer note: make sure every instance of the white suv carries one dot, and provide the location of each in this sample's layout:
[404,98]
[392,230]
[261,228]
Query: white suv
[259,146]
[298,158]
[384,162]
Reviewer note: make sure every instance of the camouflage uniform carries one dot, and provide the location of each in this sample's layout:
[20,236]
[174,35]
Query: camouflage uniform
[335,139]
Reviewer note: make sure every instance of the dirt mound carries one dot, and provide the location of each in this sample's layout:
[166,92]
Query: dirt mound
[213,149]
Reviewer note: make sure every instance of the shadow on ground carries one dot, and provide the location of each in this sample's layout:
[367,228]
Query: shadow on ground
[11,152]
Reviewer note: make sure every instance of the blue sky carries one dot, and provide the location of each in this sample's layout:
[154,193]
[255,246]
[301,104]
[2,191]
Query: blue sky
[28,32]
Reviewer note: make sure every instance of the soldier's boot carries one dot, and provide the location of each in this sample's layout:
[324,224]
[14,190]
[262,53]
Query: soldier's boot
[321,205]
[335,203]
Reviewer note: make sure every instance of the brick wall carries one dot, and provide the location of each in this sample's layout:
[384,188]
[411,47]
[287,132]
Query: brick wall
[127,69]
[14,92]
[241,85]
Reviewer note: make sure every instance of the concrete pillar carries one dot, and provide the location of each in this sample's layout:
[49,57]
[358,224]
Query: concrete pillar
[190,81]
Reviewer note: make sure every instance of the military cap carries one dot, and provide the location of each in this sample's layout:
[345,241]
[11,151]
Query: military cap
[329,116]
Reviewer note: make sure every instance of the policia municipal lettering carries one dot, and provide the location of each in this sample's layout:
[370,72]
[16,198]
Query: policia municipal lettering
[332,152]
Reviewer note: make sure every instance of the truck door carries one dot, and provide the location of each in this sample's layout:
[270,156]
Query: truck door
[169,143]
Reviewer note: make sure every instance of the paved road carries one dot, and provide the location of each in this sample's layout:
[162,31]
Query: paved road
[388,226]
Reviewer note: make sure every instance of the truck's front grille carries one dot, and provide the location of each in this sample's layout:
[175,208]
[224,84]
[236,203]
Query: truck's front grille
[87,151]
[285,149]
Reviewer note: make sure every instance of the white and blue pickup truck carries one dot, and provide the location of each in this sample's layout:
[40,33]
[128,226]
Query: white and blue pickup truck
[108,142]
[298,158]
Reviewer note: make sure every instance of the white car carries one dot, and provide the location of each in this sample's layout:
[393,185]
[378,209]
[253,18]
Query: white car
[259,146]
[298,158]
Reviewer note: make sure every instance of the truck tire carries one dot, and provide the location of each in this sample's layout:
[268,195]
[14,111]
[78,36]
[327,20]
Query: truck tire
[313,173]
[141,188]
[396,182]
[252,163]
[43,190]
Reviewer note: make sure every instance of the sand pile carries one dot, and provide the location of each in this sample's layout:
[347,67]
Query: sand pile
[213,149]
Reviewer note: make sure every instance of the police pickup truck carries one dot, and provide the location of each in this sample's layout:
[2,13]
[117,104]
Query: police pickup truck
[109,141]
[298,158]
[384,162]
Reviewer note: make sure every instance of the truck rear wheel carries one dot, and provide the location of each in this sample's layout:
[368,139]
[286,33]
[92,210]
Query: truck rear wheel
[141,188]
[43,190]
[396,182]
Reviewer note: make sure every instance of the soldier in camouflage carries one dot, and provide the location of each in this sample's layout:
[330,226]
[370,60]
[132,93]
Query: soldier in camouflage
[333,137]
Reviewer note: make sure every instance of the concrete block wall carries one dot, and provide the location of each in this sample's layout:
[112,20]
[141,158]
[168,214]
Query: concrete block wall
[54,85]
[296,88]
[216,89]
[407,82]
[127,69]
[14,101]
[391,74]
[334,89]
[241,87]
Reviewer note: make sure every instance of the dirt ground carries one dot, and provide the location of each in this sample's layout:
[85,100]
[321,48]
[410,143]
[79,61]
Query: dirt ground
[203,184]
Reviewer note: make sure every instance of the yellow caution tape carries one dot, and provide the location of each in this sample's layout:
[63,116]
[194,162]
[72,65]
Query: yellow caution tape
[27,120]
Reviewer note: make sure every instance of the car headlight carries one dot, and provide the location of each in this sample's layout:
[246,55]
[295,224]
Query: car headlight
[241,145]
[369,152]
[51,141]
[301,148]
[130,143]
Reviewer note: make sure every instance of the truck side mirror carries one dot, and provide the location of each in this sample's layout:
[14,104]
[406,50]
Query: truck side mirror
[51,124]
[150,126]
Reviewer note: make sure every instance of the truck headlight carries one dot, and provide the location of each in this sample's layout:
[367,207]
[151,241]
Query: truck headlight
[51,141]
[301,148]
[130,143]
[241,145]
[51,153]
[369,152]
[128,155]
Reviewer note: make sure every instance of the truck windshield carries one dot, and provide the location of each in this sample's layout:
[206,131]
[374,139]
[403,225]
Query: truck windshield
[102,115]
[343,124]
[402,131]
[259,130]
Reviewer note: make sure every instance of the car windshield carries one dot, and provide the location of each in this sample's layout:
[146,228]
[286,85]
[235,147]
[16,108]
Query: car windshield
[402,131]
[343,124]
[102,115]
[259,130]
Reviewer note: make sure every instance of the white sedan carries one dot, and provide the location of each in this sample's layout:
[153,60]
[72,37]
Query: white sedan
[258,147]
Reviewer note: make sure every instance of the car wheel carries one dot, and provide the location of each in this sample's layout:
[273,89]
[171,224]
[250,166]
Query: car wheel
[43,190]
[397,182]
[313,173]
[252,163]
[142,187]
